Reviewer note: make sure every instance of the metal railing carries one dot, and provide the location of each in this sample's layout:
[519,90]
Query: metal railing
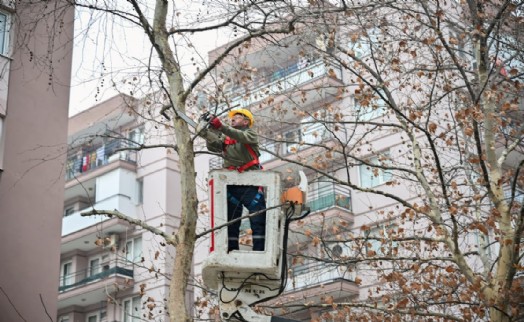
[308,132]
[327,196]
[281,81]
[316,273]
[93,274]
[94,157]
[519,194]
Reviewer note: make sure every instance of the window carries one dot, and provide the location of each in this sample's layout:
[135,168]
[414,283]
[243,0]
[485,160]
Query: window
[136,136]
[369,106]
[320,191]
[140,191]
[132,310]
[379,241]
[266,156]
[96,317]
[94,266]
[373,176]
[92,318]
[66,274]
[291,138]
[69,211]
[64,318]
[312,130]
[362,45]
[4,33]
[134,250]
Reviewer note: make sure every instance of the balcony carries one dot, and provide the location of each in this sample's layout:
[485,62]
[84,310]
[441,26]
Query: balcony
[92,285]
[313,283]
[305,140]
[328,196]
[293,78]
[316,274]
[90,158]
[76,221]
[330,207]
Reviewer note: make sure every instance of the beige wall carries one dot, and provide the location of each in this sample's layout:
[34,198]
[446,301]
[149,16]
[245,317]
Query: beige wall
[32,182]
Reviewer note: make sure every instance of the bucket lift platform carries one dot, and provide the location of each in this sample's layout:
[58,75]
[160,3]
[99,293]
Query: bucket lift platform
[243,278]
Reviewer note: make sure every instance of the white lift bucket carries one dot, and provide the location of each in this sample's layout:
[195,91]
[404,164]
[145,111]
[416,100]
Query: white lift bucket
[243,277]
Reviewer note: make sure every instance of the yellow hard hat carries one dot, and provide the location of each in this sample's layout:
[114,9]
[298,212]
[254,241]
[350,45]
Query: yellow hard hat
[243,112]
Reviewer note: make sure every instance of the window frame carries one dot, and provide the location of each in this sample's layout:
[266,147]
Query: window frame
[133,258]
[94,270]
[5,31]
[136,136]
[99,315]
[291,142]
[66,279]
[313,130]
[381,249]
[140,191]
[95,315]
[362,46]
[374,181]
[64,318]
[69,210]
[130,316]
[375,109]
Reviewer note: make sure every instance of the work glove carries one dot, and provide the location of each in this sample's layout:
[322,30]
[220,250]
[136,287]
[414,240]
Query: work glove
[215,122]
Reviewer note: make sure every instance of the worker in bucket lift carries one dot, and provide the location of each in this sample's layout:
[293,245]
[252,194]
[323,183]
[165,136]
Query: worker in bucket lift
[238,145]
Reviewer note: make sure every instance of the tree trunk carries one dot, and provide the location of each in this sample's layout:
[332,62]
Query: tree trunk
[177,306]
[184,253]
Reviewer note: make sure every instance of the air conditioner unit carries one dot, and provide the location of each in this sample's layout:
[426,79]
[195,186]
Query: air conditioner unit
[339,250]
[111,240]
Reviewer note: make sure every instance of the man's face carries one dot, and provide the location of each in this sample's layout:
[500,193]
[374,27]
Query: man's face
[238,121]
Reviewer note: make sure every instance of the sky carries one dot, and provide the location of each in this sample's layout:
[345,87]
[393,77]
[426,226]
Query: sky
[102,57]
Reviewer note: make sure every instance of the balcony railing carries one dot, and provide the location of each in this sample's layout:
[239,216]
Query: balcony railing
[281,81]
[519,194]
[308,132]
[92,274]
[97,156]
[314,274]
[329,196]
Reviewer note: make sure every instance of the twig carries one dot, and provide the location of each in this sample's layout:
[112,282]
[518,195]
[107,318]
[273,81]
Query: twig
[170,239]
[12,304]
[45,308]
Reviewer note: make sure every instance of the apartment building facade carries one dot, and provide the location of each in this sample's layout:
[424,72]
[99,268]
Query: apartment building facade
[34,97]
[111,270]
[288,93]
[305,103]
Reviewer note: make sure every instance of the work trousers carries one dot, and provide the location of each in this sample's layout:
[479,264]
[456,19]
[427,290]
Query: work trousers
[253,199]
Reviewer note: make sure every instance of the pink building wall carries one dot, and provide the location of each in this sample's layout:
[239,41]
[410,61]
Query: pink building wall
[32,175]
